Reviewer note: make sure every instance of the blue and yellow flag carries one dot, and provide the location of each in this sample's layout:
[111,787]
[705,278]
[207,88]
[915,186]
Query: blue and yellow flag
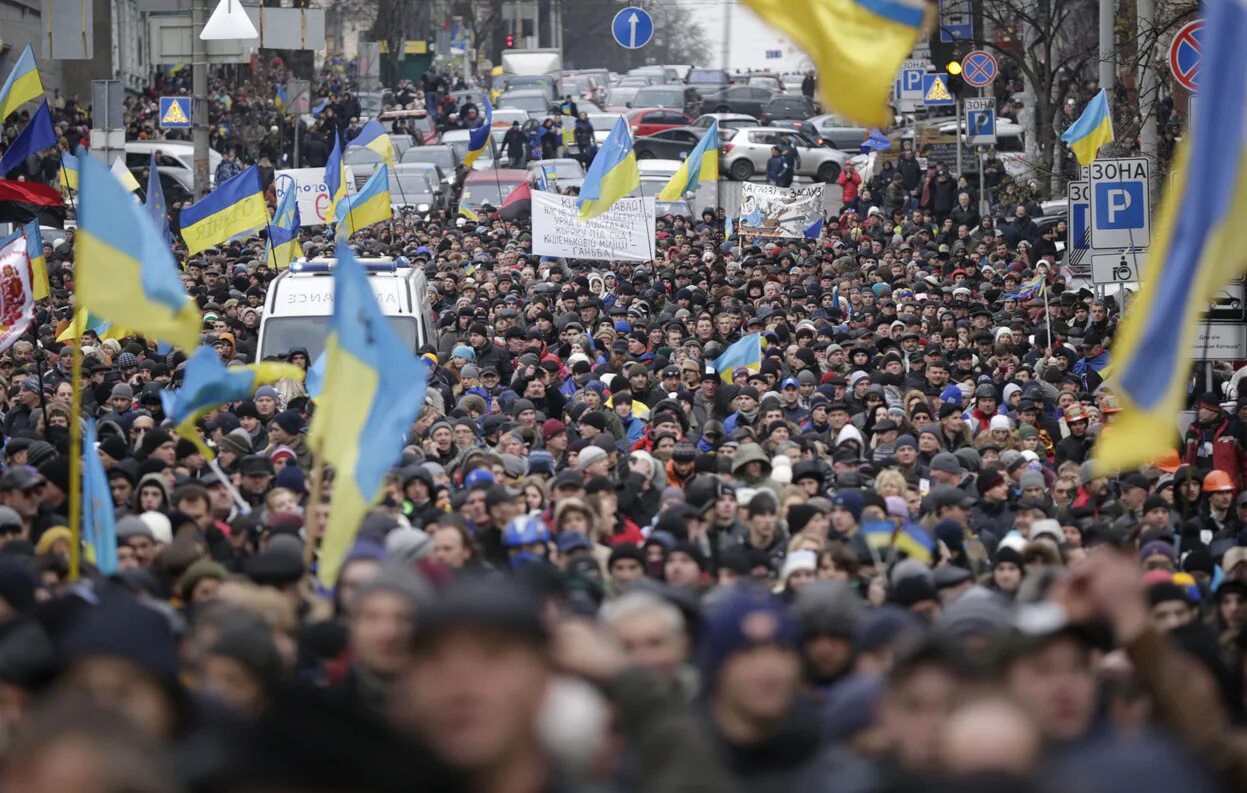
[468,213]
[235,207]
[612,175]
[36,136]
[335,177]
[125,274]
[122,174]
[156,206]
[373,389]
[69,171]
[372,136]
[878,534]
[745,353]
[207,383]
[478,139]
[283,233]
[701,165]
[915,542]
[99,519]
[1028,290]
[1197,248]
[370,205]
[1093,129]
[856,45]
[84,321]
[22,85]
[40,287]
[315,383]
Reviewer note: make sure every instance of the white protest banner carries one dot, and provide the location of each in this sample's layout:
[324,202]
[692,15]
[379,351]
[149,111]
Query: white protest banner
[623,232]
[313,196]
[768,211]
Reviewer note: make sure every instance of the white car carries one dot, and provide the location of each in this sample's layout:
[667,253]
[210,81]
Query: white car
[654,169]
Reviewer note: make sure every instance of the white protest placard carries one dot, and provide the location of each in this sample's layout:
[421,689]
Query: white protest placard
[623,232]
[768,211]
[313,196]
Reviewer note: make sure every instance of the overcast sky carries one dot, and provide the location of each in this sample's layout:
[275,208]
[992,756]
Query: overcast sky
[750,38]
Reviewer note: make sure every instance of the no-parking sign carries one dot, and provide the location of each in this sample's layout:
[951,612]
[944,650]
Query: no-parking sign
[1185,53]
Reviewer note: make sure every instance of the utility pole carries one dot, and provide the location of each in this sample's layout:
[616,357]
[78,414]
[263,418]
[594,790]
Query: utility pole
[1108,68]
[727,33]
[1149,87]
[199,102]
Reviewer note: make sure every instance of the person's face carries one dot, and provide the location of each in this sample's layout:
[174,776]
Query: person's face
[150,498]
[1170,614]
[126,559]
[651,642]
[681,570]
[1233,609]
[1007,576]
[473,697]
[1221,500]
[380,629]
[449,548]
[913,714]
[758,684]
[121,490]
[625,571]
[144,548]
[1056,686]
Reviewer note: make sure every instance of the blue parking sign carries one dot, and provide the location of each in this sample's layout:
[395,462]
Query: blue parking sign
[1120,215]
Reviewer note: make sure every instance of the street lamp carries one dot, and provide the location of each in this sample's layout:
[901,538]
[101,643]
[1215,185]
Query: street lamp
[229,21]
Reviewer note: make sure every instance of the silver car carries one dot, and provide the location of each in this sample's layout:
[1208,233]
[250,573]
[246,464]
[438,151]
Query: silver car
[746,151]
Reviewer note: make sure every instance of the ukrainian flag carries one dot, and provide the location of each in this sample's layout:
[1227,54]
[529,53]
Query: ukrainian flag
[283,233]
[747,353]
[1028,290]
[99,519]
[878,534]
[207,383]
[468,213]
[373,136]
[84,321]
[373,388]
[335,177]
[612,175]
[1198,246]
[123,175]
[125,274]
[22,84]
[478,139]
[370,205]
[235,207]
[856,45]
[69,171]
[915,542]
[1093,129]
[38,263]
[701,165]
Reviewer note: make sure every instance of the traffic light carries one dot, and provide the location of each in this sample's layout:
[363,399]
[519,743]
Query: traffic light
[510,41]
[956,84]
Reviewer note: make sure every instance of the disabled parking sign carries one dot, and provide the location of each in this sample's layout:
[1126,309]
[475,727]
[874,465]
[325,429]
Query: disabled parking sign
[1120,215]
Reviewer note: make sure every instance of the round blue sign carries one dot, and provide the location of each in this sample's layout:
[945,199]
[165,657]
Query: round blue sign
[978,69]
[632,28]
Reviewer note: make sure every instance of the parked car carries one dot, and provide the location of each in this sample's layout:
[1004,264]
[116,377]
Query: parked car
[534,100]
[648,120]
[708,80]
[747,150]
[737,99]
[602,124]
[762,80]
[490,187]
[787,106]
[679,97]
[839,133]
[671,144]
[621,95]
[726,121]
[458,140]
[444,157]
[560,173]
[414,187]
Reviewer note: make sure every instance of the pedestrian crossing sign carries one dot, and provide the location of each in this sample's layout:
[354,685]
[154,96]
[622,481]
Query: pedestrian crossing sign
[175,112]
[935,90]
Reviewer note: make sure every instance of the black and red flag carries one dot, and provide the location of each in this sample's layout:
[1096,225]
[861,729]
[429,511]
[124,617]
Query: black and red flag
[22,202]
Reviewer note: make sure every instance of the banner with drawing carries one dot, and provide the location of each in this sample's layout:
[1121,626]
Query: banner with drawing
[768,211]
[623,232]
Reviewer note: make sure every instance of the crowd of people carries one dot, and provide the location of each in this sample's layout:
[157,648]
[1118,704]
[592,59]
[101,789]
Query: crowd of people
[881,557]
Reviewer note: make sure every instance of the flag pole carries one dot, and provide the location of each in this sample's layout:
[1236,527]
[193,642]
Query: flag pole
[75,462]
[68,190]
